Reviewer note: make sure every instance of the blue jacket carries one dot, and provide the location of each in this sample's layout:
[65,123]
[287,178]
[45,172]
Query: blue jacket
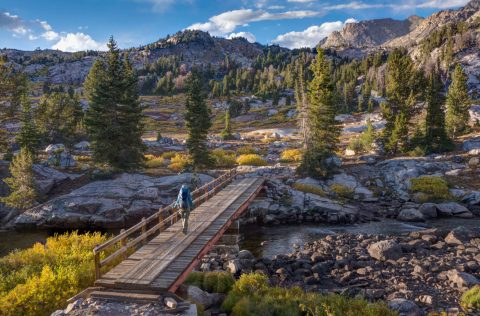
[184,198]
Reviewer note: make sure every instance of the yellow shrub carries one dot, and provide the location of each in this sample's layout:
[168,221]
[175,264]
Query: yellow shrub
[223,158]
[471,299]
[342,190]
[291,155]
[179,162]
[83,158]
[251,160]
[149,157]
[432,188]
[39,280]
[169,154]
[308,188]
[154,162]
[252,295]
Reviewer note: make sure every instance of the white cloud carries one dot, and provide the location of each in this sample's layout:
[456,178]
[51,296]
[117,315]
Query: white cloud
[443,4]
[249,36]
[355,6]
[301,1]
[161,6]
[228,21]
[406,5]
[311,36]
[74,42]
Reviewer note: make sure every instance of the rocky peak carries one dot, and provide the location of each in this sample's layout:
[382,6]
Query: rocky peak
[371,32]
[473,5]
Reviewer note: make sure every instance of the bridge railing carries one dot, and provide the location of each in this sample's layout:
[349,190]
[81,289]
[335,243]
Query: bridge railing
[138,234]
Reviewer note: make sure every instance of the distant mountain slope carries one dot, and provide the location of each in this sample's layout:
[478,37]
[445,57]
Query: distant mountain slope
[192,47]
[434,22]
[371,33]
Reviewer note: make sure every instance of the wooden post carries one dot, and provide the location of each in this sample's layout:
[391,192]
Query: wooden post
[144,231]
[123,242]
[160,219]
[97,263]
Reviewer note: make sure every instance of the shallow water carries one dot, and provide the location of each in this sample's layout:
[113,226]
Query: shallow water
[269,241]
[11,240]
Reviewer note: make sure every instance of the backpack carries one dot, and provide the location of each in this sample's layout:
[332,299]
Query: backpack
[185,194]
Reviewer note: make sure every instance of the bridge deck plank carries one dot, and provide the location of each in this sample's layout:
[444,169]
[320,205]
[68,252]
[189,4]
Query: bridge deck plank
[159,263]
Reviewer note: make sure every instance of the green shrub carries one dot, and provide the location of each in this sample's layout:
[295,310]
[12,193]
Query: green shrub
[356,145]
[39,280]
[431,188]
[308,188]
[291,155]
[180,162]
[342,191]
[471,299]
[212,282]
[224,158]
[251,160]
[364,142]
[252,295]
[154,162]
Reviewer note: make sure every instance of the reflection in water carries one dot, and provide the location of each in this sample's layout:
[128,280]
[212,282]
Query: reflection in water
[11,240]
[269,241]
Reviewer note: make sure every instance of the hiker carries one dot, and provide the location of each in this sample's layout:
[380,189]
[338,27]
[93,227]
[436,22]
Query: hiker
[184,200]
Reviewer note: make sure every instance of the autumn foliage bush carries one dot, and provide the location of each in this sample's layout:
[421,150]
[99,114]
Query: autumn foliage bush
[39,280]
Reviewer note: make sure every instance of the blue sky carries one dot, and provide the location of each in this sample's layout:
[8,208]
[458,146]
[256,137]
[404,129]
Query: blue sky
[73,25]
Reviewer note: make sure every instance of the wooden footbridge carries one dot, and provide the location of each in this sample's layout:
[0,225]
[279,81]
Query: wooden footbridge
[154,256]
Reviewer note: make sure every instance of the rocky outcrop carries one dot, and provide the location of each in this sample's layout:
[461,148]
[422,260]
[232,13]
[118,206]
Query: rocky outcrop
[287,205]
[106,204]
[106,307]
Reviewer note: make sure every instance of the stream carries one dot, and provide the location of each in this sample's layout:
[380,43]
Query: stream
[268,241]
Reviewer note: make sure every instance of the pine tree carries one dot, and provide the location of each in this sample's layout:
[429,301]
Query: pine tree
[435,134]
[114,117]
[197,119]
[403,91]
[301,100]
[323,128]
[457,115]
[22,183]
[59,117]
[227,131]
[28,136]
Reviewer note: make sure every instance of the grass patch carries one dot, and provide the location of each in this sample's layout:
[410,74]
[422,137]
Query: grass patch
[342,191]
[169,154]
[291,155]
[251,160]
[39,280]
[246,150]
[212,282]
[252,295]
[154,162]
[223,158]
[308,188]
[431,189]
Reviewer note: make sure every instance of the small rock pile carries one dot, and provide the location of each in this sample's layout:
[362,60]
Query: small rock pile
[430,269]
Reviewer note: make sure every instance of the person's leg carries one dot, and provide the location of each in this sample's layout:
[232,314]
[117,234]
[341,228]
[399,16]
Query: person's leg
[185,213]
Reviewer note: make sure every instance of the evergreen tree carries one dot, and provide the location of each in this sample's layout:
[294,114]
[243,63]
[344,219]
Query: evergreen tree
[227,131]
[457,104]
[59,117]
[114,117]
[22,183]
[301,100]
[28,136]
[403,89]
[435,134]
[197,119]
[323,128]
